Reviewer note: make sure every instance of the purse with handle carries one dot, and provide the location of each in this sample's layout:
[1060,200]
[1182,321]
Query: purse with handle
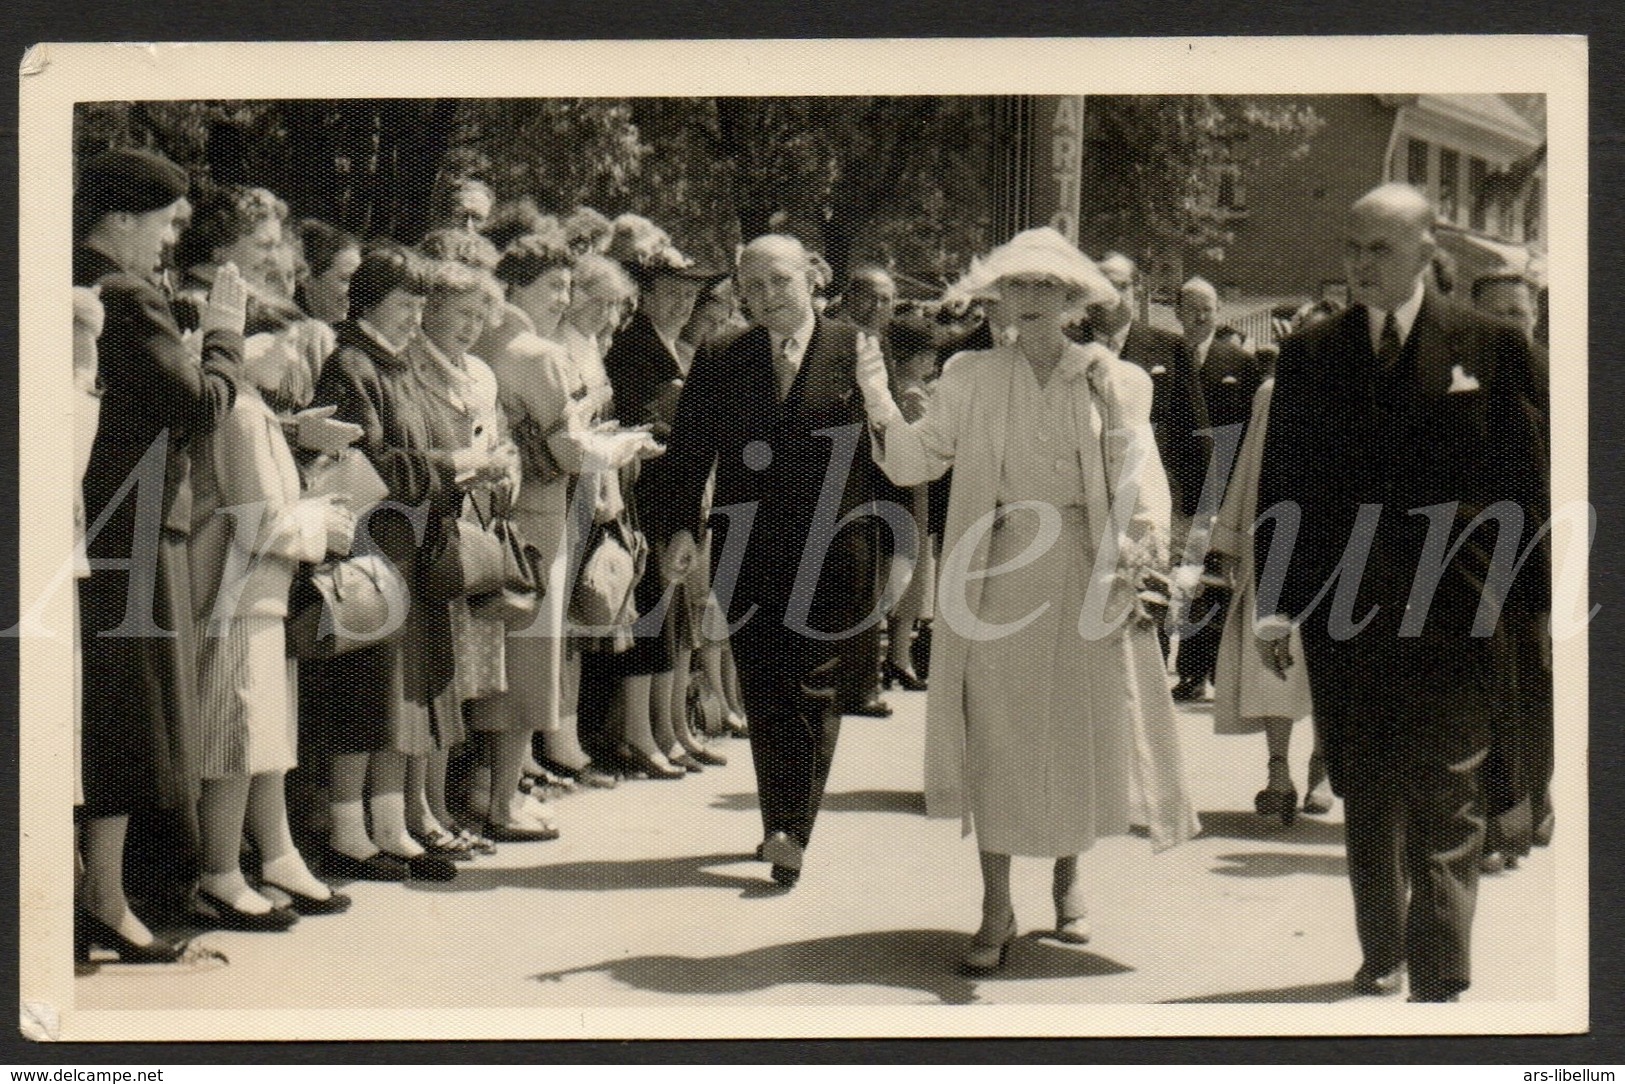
[345,605]
[519,595]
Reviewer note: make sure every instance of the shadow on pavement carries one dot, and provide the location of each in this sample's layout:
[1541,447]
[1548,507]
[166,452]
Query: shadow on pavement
[923,960]
[633,875]
[1281,864]
[1244,824]
[1317,993]
[906,802]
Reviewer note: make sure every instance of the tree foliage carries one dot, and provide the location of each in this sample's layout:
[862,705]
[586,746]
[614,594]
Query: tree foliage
[1160,167]
[905,182]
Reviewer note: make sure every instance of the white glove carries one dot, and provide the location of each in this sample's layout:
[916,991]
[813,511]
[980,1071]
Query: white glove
[874,382]
[227,307]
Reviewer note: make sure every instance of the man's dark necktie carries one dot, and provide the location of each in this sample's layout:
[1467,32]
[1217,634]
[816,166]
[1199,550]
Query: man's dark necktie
[1388,346]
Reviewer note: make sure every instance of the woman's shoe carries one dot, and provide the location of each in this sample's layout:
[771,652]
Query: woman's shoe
[427,867]
[1318,800]
[217,913]
[520,833]
[1071,922]
[638,761]
[708,758]
[686,762]
[1280,798]
[446,845]
[906,679]
[89,930]
[736,725]
[476,843]
[336,902]
[984,958]
[598,778]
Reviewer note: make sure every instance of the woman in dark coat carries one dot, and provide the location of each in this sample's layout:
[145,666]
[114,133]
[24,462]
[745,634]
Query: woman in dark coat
[373,707]
[139,643]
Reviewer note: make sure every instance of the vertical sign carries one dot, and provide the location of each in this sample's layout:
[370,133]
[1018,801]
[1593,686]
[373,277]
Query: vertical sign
[1056,163]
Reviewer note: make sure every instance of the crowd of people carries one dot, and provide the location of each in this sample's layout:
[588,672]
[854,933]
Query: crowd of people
[386,546]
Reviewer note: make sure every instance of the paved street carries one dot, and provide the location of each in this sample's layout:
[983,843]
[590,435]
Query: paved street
[650,899]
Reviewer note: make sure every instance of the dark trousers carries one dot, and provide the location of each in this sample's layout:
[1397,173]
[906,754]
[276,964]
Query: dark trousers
[789,685]
[1199,647]
[1414,841]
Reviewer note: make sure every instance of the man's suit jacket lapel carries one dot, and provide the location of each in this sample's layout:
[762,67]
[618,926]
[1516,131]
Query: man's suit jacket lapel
[1436,348]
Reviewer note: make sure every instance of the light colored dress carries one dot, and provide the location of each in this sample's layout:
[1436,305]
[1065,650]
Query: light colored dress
[461,399]
[536,382]
[1055,729]
[252,529]
[1245,691]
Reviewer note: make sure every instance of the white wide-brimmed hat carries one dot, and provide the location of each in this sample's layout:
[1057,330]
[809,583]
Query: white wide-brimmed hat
[1041,251]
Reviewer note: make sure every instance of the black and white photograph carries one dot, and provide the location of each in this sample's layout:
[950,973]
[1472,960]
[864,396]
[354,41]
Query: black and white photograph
[804,539]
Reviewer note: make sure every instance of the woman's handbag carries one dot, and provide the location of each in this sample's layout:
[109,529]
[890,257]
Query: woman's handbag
[603,596]
[471,560]
[516,601]
[345,605]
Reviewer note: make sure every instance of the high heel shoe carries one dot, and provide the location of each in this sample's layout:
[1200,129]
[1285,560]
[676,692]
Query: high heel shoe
[1071,921]
[638,761]
[906,679]
[1317,801]
[985,958]
[88,930]
[220,914]
[1278,798]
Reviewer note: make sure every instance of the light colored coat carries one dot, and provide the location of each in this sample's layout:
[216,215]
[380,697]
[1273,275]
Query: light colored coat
[964,427]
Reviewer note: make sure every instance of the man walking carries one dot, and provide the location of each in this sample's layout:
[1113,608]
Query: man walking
[778,413]
[1400,447]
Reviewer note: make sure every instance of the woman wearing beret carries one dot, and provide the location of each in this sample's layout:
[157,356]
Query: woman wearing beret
[1047,687]
[139,641]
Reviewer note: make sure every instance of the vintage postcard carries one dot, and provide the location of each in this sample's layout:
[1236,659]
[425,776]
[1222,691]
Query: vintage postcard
[381,678]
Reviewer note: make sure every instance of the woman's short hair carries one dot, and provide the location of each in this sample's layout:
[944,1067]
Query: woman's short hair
[530,257]
[603,277]
[512,219]
[447,279]
[463,246]
[223,214]
[321,242]
[384,270]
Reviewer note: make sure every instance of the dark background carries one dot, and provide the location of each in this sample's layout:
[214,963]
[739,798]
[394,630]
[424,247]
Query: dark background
[29,21]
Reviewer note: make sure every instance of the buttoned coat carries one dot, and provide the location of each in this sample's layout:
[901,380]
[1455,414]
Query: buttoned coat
[965,427]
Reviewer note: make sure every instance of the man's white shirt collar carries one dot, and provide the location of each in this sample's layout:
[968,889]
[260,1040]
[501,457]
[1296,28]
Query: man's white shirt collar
[1404,316]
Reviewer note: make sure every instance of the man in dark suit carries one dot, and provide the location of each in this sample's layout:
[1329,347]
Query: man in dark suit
[778,413]
[1399,430]
[1178,417]
[1517,780]
[1229,376]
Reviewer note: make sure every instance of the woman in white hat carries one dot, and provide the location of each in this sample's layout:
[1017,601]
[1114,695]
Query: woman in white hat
[1047,690]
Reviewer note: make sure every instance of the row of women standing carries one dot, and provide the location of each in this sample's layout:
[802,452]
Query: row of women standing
[201,710]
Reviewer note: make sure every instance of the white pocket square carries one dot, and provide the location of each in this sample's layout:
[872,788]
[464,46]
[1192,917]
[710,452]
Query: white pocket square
[1228,380]
[1158,370]
[1461,380]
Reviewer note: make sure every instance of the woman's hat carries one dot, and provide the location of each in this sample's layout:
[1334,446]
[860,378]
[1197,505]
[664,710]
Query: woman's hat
[647,251]
[1042,251]
[129,181]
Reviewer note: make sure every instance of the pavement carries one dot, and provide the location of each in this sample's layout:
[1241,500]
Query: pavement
[652,898]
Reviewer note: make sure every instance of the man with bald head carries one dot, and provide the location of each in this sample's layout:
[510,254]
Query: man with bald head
[1229,377]
[777,412]
[1394,426]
